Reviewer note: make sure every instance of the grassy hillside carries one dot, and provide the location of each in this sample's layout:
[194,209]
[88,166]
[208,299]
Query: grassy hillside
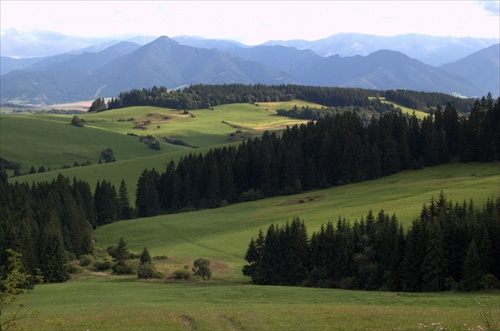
[50,140]
[224,233]
[228,301]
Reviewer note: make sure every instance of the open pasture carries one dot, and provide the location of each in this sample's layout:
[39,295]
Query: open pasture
[224,233]
[104,302]
[50,140]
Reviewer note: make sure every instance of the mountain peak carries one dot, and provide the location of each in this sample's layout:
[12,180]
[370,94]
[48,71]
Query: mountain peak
[164,40]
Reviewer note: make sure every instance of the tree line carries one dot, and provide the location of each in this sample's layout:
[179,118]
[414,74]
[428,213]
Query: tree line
[427,100]
[449,246]
[50,223]
[332,151]
[312,113]
[202,96]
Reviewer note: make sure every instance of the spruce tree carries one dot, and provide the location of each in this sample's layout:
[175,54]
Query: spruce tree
[472,271]
[53,255]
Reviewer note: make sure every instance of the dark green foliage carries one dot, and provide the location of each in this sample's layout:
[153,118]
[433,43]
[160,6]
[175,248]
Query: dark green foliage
[54,258]
[76,121]
[121,254]
[181,274]
[425,100]
[201,268]
[335,150]
[145,256]
[147,198]
[203,96]
[473,272]
[146,270]
[98,104]
[106,204]
[47,223]
[125,211]
[107,155]
[376,254]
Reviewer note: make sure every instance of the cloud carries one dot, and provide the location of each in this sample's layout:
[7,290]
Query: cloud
[491,7]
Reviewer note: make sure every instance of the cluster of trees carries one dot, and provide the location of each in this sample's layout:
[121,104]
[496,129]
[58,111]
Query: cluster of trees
[426,100]
[332,151]
[206,96]
[449,246]
[50,224]
[312,113]
[202,96]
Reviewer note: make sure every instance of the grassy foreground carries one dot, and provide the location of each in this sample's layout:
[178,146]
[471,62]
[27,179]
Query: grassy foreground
[123,303]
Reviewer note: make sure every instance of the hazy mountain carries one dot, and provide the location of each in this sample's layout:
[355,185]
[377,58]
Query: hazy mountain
[288,59]
[482,68]
[428,49]
[385,70]
[165,62]
[162,62]
[85,61]
[379,70]
[199,42]
[8,64]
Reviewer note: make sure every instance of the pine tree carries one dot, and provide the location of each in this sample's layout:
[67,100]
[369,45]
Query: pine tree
[125,211]
[471,280]
[53,255]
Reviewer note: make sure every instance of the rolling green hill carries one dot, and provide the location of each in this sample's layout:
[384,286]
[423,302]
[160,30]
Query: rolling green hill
[224,233]
[50,140]
[93,300]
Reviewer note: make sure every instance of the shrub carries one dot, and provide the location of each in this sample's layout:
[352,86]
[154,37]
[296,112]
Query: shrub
[87,260]
[77,122]
[158,275]
[146,270]
[123,269]
[101,265]
[181,274]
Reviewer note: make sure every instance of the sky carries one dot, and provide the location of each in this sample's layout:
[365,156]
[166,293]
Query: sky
[252,22]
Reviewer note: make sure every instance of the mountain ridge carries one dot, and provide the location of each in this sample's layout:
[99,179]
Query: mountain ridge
[166,62]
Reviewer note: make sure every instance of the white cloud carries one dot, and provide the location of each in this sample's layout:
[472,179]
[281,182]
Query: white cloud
[252,22]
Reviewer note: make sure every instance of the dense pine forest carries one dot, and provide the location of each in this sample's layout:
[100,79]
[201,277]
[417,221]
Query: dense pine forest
[205,96]
[332,151]
[449,246]
[50,223]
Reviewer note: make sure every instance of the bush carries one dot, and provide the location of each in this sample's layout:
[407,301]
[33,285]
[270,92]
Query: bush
[77,122]
[101,265]
[123,269]
[158,275]
[146,270]
[181,274]
[87,260]
[74,268]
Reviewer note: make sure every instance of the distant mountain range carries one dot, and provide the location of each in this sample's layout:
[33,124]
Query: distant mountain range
[105,70]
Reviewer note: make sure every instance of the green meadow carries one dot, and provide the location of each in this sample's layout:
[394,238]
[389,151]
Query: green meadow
[101,301]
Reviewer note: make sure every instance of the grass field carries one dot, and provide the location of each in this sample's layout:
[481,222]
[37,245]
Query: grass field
[105,302]
[50,140]
[224,233]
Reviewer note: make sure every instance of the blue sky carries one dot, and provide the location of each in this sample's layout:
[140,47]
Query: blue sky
[252,22]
